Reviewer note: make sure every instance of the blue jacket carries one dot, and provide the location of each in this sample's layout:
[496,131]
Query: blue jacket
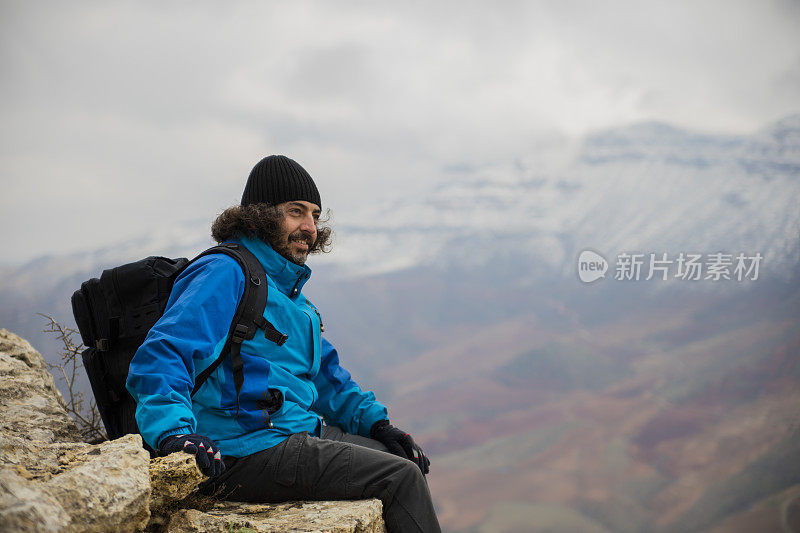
[191,334]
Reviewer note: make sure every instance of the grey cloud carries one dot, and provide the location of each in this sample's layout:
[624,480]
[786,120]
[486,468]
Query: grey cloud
[333,73]
[103,100]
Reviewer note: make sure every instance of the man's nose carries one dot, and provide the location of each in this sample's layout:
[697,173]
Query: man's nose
[309,225]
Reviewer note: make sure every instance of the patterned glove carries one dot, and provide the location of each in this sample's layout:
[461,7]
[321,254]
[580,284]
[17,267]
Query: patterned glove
[209,459]
[400,443]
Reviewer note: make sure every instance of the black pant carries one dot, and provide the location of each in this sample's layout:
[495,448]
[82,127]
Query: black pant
[338,466]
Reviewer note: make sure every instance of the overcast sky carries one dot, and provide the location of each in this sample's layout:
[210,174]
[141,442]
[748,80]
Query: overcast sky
[120,116]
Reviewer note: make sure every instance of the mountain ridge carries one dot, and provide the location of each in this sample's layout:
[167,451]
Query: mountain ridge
[603,198]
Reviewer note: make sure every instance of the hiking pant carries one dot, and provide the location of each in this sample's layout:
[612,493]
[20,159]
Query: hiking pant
[337,466]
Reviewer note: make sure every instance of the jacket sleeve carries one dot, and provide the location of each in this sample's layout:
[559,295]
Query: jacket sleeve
[188,336]
[341,401]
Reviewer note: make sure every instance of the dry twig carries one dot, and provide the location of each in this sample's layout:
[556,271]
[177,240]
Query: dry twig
[88,419]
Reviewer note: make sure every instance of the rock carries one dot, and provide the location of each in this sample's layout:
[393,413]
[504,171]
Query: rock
[100,488]
[24,507]
[30,405]
[107,487]
[172,479]
[49,480]
[363,516]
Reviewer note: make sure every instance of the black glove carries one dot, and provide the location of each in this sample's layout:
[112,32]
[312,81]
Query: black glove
[400,443]
[209,459]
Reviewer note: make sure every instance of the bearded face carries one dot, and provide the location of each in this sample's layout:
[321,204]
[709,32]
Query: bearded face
[293,229]
[298,230]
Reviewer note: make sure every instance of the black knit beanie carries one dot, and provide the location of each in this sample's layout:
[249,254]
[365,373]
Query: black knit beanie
[277,179]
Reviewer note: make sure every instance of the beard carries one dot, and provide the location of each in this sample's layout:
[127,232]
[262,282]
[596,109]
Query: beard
[284,246]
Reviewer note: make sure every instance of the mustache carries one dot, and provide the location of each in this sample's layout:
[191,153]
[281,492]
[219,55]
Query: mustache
[302,236]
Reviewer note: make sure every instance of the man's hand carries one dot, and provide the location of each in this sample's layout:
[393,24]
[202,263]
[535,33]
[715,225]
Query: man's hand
[400,443]
[209,459]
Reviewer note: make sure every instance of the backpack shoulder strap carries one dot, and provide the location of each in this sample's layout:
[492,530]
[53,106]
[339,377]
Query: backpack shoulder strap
[248,318]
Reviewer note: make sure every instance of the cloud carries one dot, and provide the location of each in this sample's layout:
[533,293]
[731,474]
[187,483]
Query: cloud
[136,113]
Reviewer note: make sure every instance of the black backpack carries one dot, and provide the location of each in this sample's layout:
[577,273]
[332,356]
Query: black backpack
[115,312]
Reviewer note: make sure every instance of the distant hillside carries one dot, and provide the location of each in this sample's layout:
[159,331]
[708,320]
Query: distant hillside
[679,425]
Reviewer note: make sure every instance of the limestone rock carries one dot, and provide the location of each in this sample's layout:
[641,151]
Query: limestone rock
[30,405]
[108,489]
[49,480]
[101,488]
[172,479]
[25,507]
[363,516]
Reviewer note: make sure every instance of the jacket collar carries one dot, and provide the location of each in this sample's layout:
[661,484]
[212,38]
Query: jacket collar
[286,275]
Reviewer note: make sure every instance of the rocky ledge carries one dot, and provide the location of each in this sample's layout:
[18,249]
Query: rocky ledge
[51,481]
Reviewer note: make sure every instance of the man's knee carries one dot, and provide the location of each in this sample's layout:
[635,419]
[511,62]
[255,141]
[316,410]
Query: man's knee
[407,473]
[413,471]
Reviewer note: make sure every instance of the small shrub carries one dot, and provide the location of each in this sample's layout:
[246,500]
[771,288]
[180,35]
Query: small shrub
[88,419]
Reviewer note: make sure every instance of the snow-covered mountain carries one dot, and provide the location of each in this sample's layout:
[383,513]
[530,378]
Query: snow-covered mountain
[646,188]
[643,188]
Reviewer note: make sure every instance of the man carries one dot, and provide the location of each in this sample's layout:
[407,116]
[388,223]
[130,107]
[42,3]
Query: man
[267,442]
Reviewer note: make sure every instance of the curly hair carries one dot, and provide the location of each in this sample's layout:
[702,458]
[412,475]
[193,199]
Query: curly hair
[263,221]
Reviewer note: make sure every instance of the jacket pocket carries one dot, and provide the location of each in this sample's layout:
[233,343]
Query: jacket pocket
[270,403]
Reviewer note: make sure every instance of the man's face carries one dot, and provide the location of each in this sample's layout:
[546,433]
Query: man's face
[298,230]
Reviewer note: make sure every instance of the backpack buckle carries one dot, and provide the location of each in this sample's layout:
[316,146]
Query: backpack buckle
[273,335]
[239,333]
[101,345]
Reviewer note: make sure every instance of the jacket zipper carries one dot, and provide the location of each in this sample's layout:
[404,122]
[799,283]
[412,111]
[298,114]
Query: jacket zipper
[319,316]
